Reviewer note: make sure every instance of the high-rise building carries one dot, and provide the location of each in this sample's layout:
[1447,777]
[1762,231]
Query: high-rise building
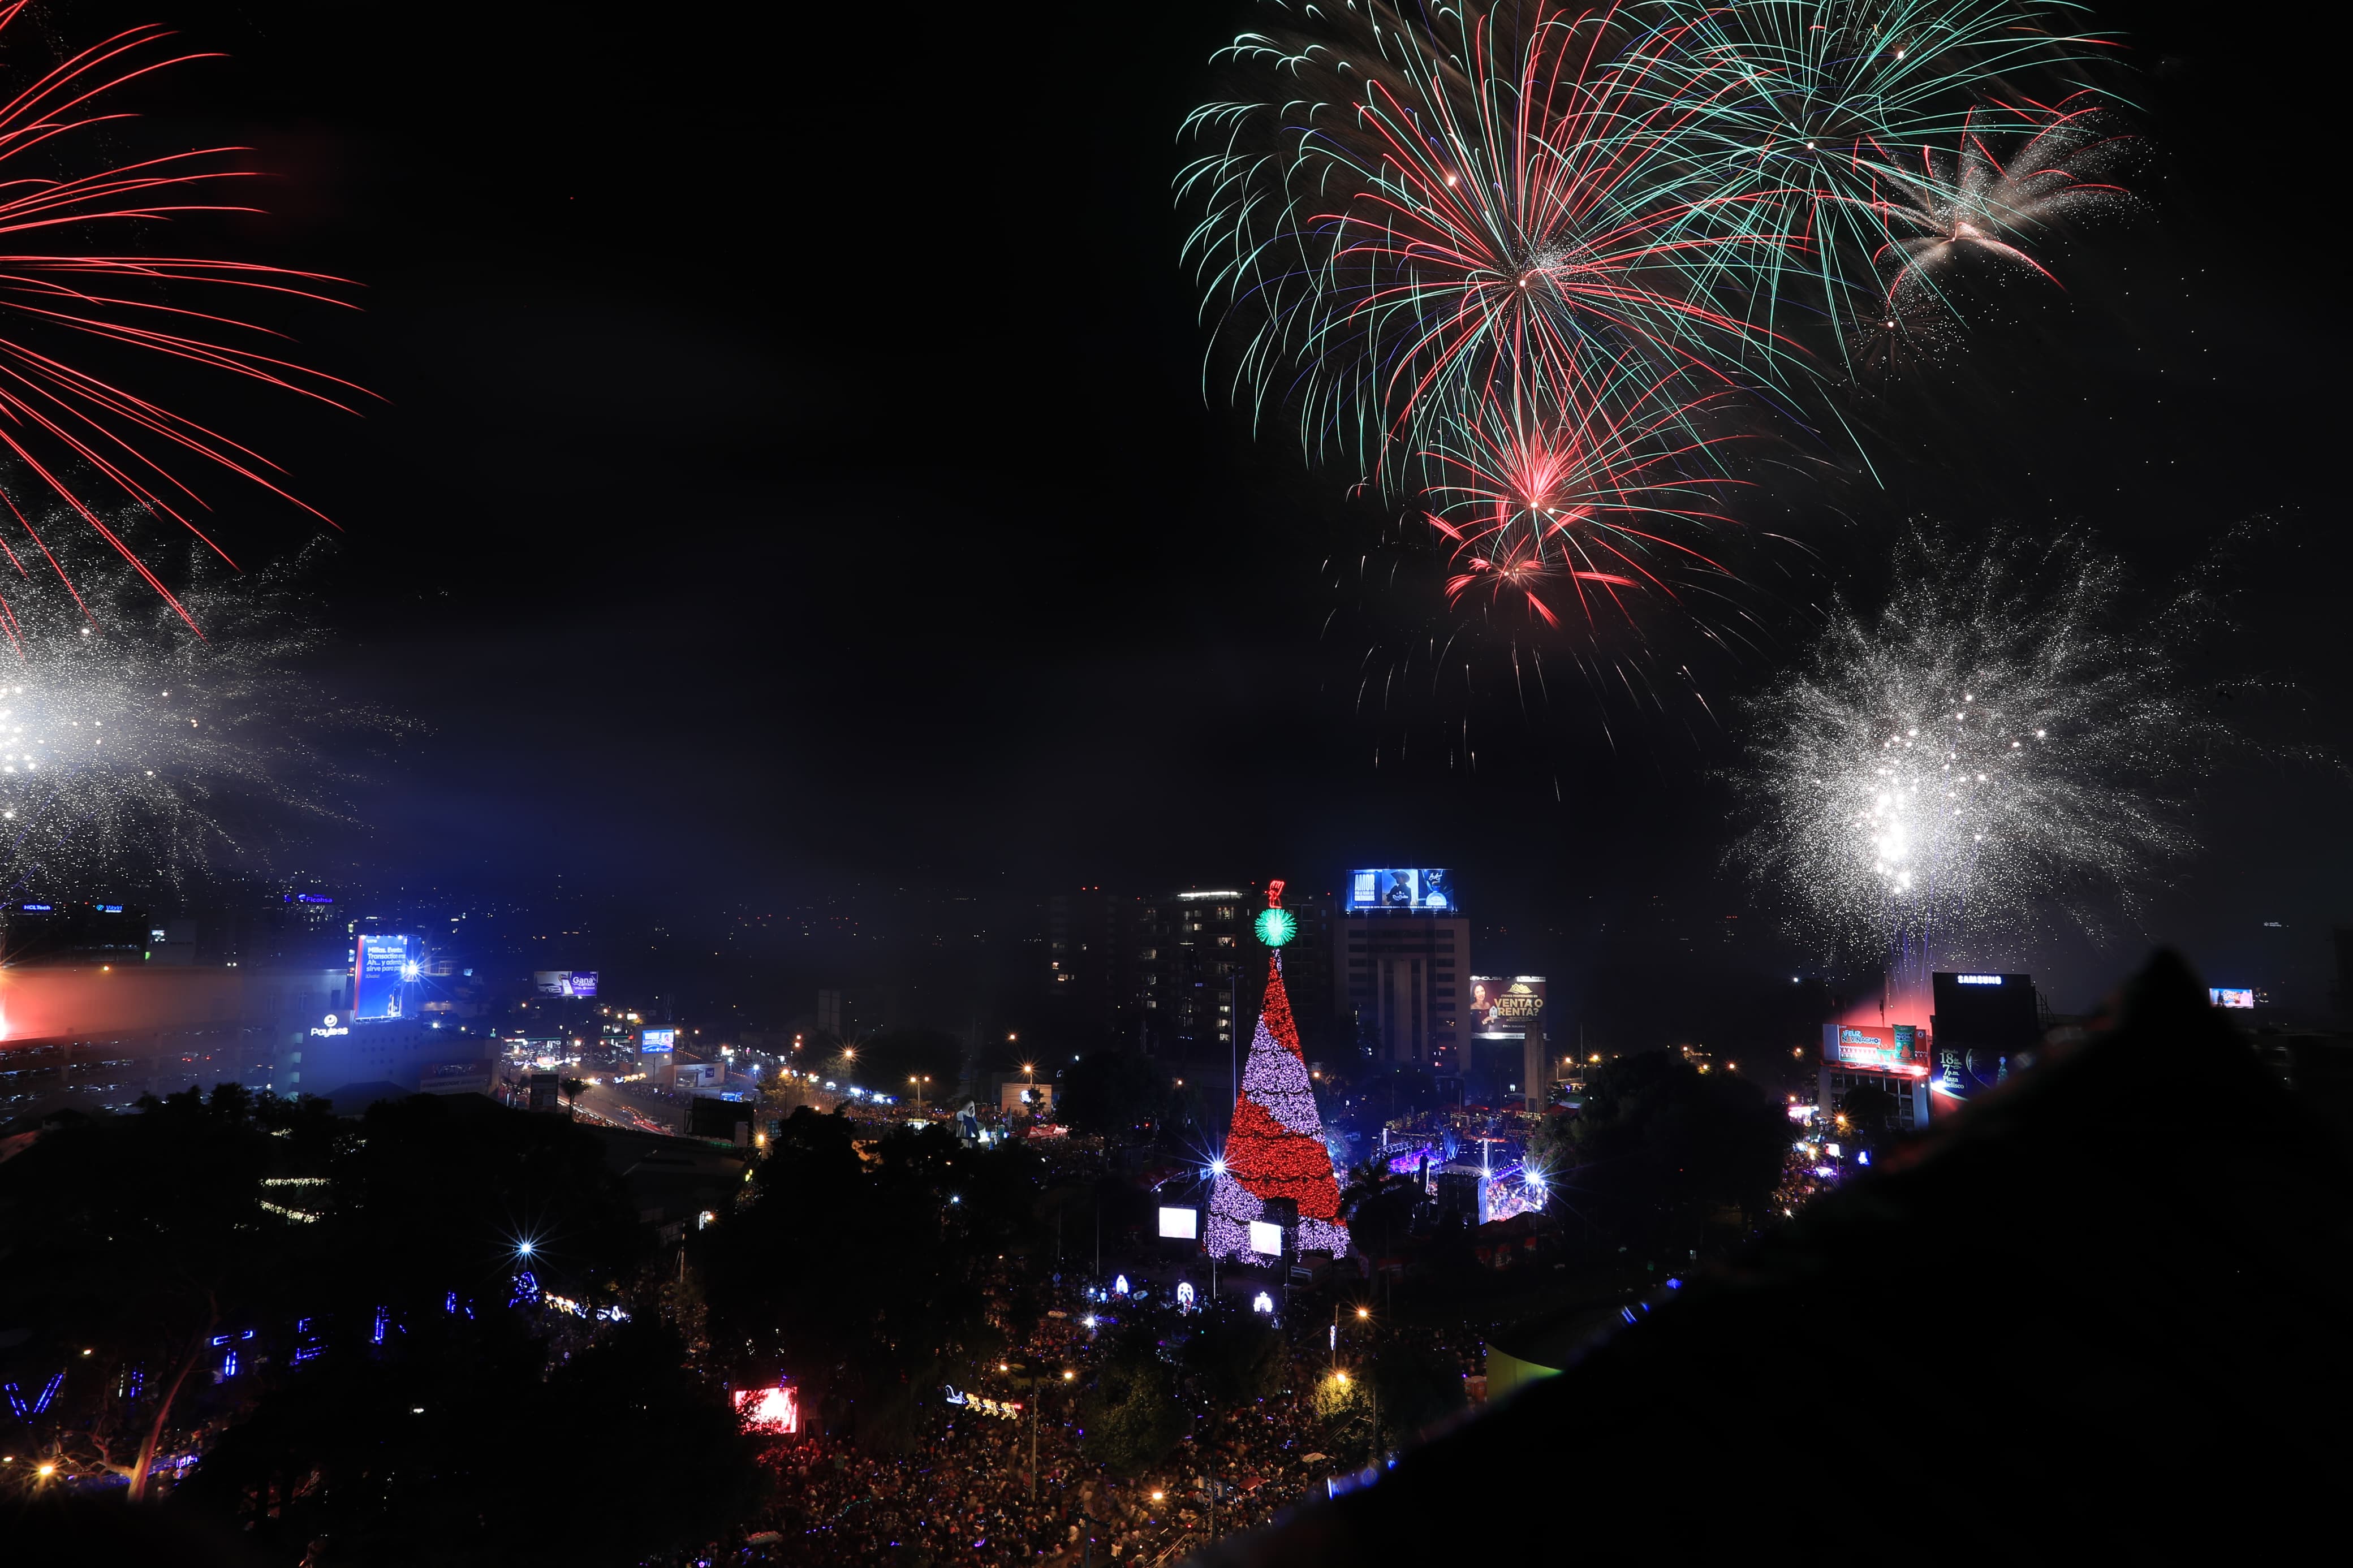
[1199,958]
[1401,955]
[1103,962]
[1164,973]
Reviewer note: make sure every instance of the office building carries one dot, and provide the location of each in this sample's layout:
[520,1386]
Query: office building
[1401,955]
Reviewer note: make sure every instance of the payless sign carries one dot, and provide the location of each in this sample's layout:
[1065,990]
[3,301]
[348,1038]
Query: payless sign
[1888,1047]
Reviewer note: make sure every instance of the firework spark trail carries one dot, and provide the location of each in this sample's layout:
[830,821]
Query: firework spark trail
[133,753]
[87,441]
[1587,500]
[1997,744]
[1968,202]
[1819,113]
[1431,219]
[1535,267]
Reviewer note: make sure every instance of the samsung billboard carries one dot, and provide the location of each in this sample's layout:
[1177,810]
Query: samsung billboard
[384,978]
[1402,887]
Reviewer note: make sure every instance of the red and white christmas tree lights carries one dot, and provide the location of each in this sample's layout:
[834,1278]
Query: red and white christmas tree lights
[1274,1148]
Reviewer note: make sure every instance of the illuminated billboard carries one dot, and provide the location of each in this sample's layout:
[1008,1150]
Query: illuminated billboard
[1901,1048]
[564,981]
[1402,887]
[653,1040]
[384,978]
[1507,1004]
[1265,1238]
[1180,1225]
[2230,996]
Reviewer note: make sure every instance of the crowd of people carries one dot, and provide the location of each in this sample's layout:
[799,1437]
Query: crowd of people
[963,1494]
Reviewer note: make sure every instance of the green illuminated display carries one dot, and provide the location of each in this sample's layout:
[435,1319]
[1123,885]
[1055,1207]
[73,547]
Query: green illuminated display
[1276,927]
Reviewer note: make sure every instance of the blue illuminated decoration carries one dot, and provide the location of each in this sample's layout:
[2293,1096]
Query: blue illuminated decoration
[383,1316]
[25,1408]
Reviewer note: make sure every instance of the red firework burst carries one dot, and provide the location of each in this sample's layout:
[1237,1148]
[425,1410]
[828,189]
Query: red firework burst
[1584,501]
[84,439]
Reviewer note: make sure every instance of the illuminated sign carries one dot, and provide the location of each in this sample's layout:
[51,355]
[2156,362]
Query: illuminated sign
[651,1040]
[330,1028]
[1266,1238]
[1507,1005]
[2230,996]
[1401,888]
[107,909]
[35,908]
[1977,979]
[1180,1225]
[384,969]
[1885,1047]
[564,981]
[308,898]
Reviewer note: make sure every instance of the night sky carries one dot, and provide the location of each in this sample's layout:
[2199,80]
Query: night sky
[795,472]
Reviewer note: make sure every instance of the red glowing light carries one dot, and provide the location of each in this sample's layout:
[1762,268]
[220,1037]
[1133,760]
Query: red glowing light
[775,1409]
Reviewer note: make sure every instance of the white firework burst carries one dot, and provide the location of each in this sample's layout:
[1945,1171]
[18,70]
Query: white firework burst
[133,755]
[1996,752]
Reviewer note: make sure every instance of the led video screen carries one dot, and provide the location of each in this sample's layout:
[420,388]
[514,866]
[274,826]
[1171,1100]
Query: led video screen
[1401,888]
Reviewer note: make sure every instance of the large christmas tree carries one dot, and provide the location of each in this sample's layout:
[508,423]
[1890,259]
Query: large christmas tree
[1274,1148]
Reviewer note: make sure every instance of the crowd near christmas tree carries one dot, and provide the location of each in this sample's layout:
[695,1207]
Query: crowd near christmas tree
[243,1320]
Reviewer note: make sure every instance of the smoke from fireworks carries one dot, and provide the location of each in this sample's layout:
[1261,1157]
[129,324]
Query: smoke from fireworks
[1995,750]
[134,755]
[70,431]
